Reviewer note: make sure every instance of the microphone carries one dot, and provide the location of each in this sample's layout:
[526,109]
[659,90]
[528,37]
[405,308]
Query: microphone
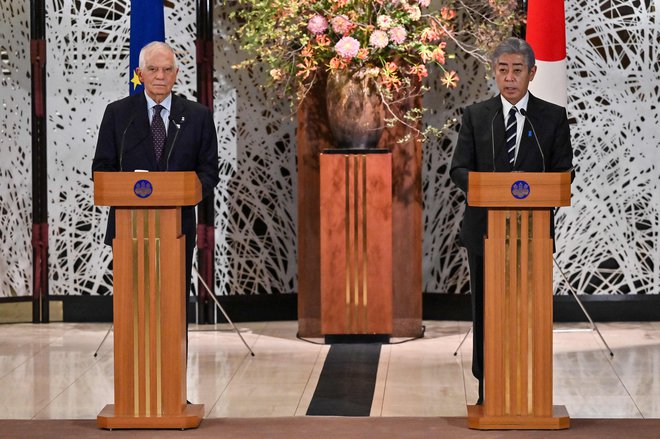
[123,139]
[492,135]
[177,125]
[538,144]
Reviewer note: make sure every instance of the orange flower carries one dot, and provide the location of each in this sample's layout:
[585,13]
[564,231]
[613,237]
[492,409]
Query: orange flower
[307,51]
[389,79]
[363,54]
[323,40]
[428,35]
[439,53]
[420,71]
[447,13]
[390,68]
[450,79]
[337,63]
[306,68]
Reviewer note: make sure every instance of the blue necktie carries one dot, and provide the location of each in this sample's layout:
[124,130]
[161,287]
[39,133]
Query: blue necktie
[158,132]
[510,134]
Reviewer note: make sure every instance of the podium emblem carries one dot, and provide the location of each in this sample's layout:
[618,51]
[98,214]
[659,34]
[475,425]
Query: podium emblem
[520,189]
[143,188]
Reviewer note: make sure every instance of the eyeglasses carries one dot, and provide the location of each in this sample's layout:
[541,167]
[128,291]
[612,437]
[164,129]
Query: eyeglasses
[165,70]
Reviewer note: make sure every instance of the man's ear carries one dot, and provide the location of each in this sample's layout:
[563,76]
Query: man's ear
[532,73]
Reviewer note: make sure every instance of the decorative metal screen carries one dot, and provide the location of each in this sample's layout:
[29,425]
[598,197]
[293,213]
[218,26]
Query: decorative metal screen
[15,147]
[607,242]
[87,45]
[256,236]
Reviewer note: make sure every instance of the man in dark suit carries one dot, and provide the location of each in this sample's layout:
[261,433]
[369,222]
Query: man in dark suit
[513,131]
[159,131]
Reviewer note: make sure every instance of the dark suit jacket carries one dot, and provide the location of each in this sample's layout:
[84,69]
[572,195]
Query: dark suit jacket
[126,123]
[481,147]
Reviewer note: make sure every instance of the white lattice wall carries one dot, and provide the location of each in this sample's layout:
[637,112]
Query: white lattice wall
[255,242]
[608,242]
[15,147]
[88,63]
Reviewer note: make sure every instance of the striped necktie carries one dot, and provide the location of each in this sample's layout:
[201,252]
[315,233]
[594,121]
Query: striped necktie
[511,131]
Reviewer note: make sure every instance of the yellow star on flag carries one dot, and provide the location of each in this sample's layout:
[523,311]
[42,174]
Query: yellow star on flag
[135,80]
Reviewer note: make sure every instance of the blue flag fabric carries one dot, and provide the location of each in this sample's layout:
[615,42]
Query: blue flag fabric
[147,25]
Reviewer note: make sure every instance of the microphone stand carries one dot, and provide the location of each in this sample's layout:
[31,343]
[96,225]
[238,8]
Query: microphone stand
[584,310]
[208,290]
[579,302]
[217,304]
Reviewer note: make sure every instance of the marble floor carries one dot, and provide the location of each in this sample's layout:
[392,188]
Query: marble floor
[50,371]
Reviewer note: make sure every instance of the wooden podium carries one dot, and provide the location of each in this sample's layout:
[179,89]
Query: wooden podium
[518,299]
[356,242]
[149,298]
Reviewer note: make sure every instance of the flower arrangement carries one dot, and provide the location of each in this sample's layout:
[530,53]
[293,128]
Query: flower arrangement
[394,42]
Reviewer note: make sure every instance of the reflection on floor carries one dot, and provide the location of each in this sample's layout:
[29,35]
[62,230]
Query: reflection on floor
[50,372]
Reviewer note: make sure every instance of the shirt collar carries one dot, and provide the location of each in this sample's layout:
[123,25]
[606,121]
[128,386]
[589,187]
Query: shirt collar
[522,104]
[167,102]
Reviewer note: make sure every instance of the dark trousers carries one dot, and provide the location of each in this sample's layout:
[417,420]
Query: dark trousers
[476,265]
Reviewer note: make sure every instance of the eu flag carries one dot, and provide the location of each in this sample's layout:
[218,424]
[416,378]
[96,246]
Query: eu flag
[147,25]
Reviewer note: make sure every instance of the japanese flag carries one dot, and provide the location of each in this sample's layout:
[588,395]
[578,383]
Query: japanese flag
[546,33]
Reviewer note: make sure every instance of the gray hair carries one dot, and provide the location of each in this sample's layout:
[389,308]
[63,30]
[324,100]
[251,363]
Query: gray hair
[155,45]
[513,45]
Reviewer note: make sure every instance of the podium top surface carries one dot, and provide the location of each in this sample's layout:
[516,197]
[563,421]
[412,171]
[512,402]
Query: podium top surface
[519,189]
[146,189]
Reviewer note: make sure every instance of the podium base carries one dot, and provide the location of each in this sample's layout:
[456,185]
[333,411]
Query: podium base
[558,421]
[191,417]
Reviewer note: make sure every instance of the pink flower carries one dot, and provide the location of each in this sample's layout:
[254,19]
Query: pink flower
[413,12]
[424,3]
[347,47]
[384,22]
[340,24]
[317,24]
[378,39]
[398,34]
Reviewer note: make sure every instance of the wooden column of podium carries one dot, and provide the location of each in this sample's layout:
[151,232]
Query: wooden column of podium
[518,299]
[149,298]
[356,242]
